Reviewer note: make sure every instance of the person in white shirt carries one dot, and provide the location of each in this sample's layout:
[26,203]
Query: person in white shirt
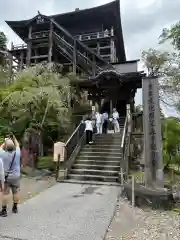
[99,123]
[115,117]
[2,175]
[89,130]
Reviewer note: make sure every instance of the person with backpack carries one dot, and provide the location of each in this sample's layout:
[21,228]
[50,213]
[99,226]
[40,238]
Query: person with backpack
[10,155]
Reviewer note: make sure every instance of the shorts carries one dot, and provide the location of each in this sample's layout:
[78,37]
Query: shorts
[13,184]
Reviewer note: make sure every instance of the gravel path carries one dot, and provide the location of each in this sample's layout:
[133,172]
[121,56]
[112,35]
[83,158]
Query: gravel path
[63,212]
[136,224]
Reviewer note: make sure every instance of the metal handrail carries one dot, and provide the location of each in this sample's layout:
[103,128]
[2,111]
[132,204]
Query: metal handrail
[124,132]
[74,140]
[69,139]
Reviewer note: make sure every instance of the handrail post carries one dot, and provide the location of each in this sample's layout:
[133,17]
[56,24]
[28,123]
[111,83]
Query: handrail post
[133,197]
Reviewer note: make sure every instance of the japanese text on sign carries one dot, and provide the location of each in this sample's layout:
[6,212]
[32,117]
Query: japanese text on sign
[151,119]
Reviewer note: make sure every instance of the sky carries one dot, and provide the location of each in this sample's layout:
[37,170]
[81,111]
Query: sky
[142,20]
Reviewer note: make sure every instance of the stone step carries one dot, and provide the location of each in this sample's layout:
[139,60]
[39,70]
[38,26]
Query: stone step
[96,167]
[100,149]
[98,157]
[98,162]
[108,136]
[100,153]
[107,142]
[90,182]
[94,172]
[101,146]
[93,178]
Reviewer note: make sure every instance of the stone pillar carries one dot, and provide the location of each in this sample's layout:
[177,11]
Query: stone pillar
[152,133]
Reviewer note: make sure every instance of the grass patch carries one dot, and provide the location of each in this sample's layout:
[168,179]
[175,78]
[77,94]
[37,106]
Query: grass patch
[137,173]
[46,163]
[177,210]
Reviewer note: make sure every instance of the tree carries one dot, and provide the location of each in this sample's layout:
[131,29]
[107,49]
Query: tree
[171,34]
[3,48]
[39,98]
[167,67]
[156,62]
[171,141]
[3,41]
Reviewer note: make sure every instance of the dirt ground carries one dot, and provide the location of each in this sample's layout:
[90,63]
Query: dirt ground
[30,187]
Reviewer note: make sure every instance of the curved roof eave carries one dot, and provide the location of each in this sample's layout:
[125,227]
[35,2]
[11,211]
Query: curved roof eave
[101,7]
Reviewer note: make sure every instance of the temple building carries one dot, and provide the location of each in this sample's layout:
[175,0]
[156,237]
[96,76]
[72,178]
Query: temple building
[88,42]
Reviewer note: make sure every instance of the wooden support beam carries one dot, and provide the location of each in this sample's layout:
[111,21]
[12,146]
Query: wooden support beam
[29,47]
[50,42]
[21,61]
[10,67]
[94,66]
[74,57]
[98,48]
[112,47]
[40,56]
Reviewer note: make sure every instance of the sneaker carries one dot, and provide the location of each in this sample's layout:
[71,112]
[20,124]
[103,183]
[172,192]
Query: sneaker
[90,142]
[3,213]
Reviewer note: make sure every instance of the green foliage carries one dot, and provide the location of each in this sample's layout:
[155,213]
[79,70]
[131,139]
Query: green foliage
[39,95]
[3,47]
[3,41]
[172,34]
[171,141]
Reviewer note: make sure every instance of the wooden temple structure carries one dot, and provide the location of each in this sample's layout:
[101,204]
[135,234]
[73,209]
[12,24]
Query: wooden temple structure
[88,42]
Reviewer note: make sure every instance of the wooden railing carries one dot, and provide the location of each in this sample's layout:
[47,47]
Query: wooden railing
[74,140]
[80,46]
[19,46]
[41,34]
[96,35]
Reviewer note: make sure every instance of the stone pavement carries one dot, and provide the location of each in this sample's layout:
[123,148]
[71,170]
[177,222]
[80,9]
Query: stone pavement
[64,211]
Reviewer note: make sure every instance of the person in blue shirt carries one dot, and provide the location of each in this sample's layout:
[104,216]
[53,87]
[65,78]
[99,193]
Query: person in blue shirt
[10,154]
[105,122]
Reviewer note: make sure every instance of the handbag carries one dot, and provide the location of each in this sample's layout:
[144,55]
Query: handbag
[7,174]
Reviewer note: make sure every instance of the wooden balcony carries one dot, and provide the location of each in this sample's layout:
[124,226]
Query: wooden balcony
[19,47]
[96,35]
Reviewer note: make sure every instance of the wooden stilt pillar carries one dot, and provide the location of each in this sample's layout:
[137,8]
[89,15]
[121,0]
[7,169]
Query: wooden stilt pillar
[74,57]
[50,43]
[21,61]
[29,47]
[10,69]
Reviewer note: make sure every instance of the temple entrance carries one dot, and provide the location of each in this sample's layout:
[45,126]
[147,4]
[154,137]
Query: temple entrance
[120,106]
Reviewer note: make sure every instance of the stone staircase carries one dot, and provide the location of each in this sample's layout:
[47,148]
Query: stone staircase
[99,162]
